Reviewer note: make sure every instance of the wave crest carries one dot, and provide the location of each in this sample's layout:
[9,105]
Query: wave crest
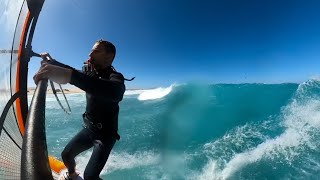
[155,93]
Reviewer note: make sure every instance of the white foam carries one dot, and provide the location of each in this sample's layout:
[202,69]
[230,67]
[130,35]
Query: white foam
[118,161]
[301,121]
[155,93]
[210,171]
[268,148]
[133,92]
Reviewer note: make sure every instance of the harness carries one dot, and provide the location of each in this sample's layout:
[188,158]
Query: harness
[97,127]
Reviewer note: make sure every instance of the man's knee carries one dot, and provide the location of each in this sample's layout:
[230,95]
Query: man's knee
[65,155]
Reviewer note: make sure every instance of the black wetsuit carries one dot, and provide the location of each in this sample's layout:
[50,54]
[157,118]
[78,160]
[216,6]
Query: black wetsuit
[104,90]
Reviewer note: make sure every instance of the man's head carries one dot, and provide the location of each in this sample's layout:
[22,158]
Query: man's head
[102,54]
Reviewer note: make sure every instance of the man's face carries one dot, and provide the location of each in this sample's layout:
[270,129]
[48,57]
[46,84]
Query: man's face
[99,57]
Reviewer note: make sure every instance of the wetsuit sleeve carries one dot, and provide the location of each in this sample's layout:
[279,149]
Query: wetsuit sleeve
[112,89]
[57,63]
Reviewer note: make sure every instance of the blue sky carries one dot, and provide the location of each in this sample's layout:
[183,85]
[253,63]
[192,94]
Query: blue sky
[177,41]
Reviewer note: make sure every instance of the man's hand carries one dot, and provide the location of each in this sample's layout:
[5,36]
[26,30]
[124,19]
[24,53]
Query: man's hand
[45,57]
[57,74]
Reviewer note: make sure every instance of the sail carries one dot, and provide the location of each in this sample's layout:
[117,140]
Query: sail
[17,21]
[13,15]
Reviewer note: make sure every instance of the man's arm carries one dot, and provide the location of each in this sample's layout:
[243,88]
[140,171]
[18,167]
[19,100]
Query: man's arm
[112,89]
[57,74]
[49,60]
[57,63]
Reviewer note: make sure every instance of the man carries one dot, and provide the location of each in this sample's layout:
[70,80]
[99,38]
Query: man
[104,89]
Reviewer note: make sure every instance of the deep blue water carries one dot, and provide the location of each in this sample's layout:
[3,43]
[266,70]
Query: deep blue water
[220,131]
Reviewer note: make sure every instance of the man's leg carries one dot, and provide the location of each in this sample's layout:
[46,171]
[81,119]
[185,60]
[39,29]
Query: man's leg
[99,157]
[78,144]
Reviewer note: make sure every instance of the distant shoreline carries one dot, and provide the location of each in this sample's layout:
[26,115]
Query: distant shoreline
[65,90]
[74,90]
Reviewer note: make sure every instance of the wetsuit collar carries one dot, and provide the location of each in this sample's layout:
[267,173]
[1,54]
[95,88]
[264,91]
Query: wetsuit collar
[105,70]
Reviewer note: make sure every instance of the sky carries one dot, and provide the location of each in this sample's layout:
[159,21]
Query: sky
[179,41]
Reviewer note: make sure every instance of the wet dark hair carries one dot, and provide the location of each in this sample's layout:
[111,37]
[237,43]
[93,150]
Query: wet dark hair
[108,46]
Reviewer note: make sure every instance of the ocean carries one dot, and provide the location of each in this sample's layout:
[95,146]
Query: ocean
[205,132]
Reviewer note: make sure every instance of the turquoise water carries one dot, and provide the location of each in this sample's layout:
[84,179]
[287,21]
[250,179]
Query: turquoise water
[222,131]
